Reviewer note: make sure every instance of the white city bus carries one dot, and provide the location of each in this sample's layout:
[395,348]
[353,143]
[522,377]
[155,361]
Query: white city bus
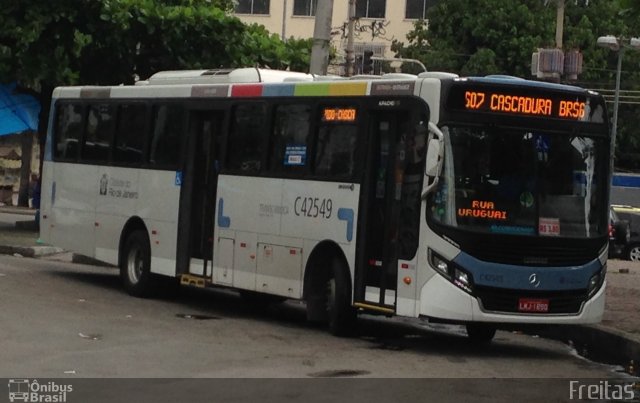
[478,201]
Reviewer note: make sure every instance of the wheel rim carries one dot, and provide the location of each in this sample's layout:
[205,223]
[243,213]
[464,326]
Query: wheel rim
[134,264]
[634,254]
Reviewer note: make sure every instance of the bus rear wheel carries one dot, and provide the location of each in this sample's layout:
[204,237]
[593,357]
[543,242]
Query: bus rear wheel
[135,265]
[480,333]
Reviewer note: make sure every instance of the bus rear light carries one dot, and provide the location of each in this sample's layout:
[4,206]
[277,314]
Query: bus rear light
[407,280]
[404,266]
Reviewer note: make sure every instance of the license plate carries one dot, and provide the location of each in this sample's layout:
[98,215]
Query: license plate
[533,305]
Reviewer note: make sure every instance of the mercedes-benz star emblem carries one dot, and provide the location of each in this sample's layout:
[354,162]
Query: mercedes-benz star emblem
[533,280]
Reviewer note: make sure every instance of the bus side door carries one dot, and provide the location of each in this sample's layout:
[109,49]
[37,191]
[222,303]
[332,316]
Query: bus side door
[198,194]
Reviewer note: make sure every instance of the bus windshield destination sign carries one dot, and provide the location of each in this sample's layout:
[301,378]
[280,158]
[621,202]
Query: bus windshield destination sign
[339,115]
[524,105]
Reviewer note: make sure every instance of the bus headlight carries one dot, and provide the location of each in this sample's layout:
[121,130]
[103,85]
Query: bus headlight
[596,281]
[459,277]
[439,264]
[463,280]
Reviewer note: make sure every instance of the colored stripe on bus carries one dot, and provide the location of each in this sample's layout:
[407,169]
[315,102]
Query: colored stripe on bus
[210,91]
[279,90]
[348,89]
[247,90]
[311,89]
[95,92]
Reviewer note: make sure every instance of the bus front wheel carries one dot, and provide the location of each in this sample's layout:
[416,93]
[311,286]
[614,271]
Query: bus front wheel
[480,333]
[135,265]
[342,315]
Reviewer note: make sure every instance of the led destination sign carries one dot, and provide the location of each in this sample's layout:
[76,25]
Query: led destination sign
[339,115]
[524,105]
[532,102]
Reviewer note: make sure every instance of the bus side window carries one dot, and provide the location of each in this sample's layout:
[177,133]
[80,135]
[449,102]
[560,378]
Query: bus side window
[289,148]
[130,134]
[98,133]
[335,151]
[166,135]
[68,129]
[244,152]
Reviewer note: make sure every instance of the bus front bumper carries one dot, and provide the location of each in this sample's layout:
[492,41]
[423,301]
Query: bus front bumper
[440,299]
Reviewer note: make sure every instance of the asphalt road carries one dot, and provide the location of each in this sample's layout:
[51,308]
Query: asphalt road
[72,321]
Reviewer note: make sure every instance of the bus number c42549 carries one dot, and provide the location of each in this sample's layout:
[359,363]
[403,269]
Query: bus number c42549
[313,207]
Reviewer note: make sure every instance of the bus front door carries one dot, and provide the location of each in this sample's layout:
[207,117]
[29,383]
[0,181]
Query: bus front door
[390,204]
[197,198]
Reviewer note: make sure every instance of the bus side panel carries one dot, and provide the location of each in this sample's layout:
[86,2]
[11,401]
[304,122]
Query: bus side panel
[244,205]
[318,211]
[117,200]
[73,208]
[157,205]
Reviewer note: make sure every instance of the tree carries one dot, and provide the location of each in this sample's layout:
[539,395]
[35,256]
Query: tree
[490,36]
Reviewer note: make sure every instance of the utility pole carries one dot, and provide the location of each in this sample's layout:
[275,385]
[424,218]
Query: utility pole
[559,23]
[321,38]
[283,35]
[349,51]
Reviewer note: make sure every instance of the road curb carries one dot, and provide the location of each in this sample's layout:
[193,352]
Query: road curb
[30,251]
[600,343]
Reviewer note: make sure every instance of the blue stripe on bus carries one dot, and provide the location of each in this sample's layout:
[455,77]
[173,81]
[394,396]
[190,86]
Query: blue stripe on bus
[520,277]
[223,221]
[346,214]
[626,181]
[278,90]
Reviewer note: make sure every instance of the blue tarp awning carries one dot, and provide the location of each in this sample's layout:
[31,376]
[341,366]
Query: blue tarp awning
[18,112]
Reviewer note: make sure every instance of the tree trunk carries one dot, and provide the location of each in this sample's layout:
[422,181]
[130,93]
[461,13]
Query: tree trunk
[26,144]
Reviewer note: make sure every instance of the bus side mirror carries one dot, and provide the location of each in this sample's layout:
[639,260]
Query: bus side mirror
[433,158]
[433,163]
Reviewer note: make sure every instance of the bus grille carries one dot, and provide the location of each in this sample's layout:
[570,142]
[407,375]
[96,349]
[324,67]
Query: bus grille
[521,252]
[502,300]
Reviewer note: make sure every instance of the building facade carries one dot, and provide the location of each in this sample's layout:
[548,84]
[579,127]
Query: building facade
[378,23]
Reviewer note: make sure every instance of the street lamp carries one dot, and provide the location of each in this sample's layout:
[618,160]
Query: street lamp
[617,45]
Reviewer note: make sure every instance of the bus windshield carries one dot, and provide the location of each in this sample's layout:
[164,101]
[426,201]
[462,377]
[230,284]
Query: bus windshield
[522,182]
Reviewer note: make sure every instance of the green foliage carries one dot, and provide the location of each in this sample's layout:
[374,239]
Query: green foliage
[490,36]
[65,42]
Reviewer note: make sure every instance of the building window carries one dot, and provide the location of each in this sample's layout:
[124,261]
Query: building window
[305,7]
[252,7]
[371,8]
[417,9]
